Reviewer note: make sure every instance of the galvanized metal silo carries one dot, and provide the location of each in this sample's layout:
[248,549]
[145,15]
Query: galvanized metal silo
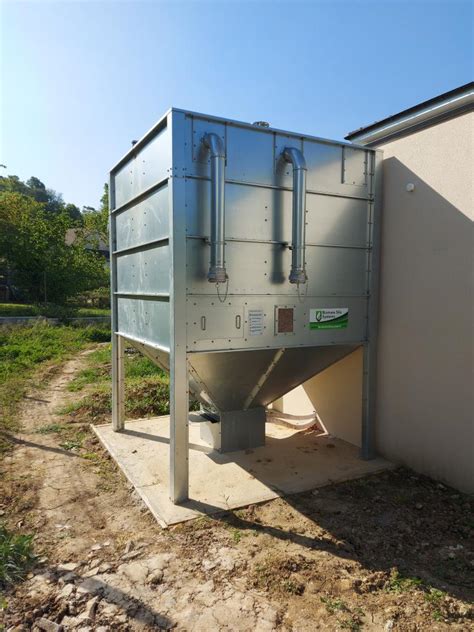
[244,261]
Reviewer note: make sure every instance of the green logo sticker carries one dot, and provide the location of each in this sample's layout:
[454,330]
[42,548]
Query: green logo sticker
[329,318]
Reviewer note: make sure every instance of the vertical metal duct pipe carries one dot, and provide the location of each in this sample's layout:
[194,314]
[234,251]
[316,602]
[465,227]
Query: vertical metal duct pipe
[296,158]
[217,272]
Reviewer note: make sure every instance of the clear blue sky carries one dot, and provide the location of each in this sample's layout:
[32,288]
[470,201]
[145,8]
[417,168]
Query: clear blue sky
[80,80]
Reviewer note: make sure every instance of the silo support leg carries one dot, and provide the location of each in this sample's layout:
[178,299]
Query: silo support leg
[179,428]
[368,404]
[118,383]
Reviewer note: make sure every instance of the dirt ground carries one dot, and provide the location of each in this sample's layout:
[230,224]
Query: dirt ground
[388,552]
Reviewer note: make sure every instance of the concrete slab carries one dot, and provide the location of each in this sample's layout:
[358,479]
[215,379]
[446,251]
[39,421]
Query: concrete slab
[291,461]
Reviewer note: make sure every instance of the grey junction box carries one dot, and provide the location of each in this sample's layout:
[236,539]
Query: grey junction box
[244,261]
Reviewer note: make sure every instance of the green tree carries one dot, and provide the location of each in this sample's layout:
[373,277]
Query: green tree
[36,189]
[53,202]
[13,184]
[97,222]
[32,241]
[74,213]
[104,200]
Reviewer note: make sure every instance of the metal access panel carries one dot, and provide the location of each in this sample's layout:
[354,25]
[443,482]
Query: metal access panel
[201,197]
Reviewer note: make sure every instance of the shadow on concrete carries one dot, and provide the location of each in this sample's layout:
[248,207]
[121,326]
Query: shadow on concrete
[154,437]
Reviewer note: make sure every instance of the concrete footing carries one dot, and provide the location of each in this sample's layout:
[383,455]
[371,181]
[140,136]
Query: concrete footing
[289,462]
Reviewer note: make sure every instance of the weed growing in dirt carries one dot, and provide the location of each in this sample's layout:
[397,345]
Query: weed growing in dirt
[435,598]
[354,620]
[292,587]
[74,438]
[397,583]
[71,445]
[16,556]
[354,623]
[50,429]
[333,605]
[237,535]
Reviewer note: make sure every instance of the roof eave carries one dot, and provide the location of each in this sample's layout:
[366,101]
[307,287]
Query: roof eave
[429,113]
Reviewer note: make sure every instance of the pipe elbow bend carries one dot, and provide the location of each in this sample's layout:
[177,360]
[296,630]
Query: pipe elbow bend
[215,144]
[295,157]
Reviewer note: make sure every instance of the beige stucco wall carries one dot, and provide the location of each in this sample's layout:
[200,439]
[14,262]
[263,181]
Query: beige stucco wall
[339,407]
[425,380]
[335,394]
[425,407]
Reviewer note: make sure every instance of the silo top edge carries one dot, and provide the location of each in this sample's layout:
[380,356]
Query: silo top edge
[161,123]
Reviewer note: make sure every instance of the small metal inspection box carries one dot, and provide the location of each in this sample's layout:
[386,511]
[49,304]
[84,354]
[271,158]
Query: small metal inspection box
[244,261]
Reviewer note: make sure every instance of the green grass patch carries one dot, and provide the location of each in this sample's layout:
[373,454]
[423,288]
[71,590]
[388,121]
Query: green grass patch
[70,408]
[23,350]
[144,397]
[146,388]
[99,366]
[138,366]
[91,312]
[83,378]
[16,556]
[50,310]
[18,309]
